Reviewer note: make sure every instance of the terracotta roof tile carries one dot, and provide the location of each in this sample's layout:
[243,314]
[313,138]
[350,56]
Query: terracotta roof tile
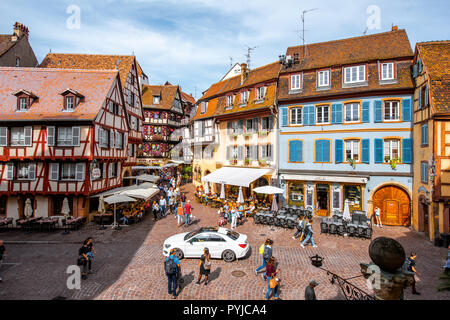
[187,97]
[380,46]
[166,92]
[435,56]
[90,61]
[48,84]
[6,43]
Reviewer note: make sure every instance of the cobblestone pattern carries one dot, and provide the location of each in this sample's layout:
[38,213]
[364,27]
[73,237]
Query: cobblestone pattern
[129,263]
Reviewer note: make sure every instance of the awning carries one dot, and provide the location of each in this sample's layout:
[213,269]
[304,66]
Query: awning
[304,177]
[121,189]
[147,167]
[141,193]
[241,177]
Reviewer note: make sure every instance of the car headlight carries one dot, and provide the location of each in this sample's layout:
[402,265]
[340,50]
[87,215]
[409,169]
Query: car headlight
[167,246]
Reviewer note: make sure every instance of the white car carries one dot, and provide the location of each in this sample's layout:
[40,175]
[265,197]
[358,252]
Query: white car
[222,244]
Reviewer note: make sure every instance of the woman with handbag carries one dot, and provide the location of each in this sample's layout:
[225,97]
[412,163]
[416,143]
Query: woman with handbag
[272,280]
[83,258]
[204,266]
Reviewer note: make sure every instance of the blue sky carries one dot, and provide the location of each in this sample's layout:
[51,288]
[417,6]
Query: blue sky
[190,42]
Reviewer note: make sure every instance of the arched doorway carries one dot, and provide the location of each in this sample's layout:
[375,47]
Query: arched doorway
[395,205]
[424,215]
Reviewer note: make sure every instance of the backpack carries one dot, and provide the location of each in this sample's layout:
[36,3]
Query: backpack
[406,265]
[261,249]
[170,267]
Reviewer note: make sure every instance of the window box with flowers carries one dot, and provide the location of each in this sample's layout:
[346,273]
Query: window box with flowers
[247,161]
[233,161]
[393,162]
[262,162]
[263,133]
[248,135]
[352,162]
[234,135]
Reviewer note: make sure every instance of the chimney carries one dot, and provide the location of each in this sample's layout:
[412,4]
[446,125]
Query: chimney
[394,28]
[244,72]
[20,30]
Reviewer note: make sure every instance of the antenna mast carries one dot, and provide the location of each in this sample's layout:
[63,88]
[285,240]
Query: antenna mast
[248,55]
[231,62]
[303,29]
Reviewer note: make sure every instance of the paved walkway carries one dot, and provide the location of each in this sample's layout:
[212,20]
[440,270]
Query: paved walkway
[129,263]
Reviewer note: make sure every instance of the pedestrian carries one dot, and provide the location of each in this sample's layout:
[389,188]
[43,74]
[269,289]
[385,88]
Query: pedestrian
[240,213]
[173,270]
[233,217]
[84,260]
[204,266]
[148,207]
[2,255]
[183,199]
[310,294]
[410,265]
[377,217]
[187,212]
[309,235]
[162,206]
[266,252]
[155,210]
[180,214]
[272,280]
[300,227]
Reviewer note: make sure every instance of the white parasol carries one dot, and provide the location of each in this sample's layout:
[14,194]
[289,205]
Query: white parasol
[222,192]
[65,210]
[101,204]
[240,198]
[268,190]
[28,210]
[118,198]
[346,214]
[274,204]
[206,188]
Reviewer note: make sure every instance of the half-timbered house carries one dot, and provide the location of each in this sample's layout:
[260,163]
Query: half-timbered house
[131,77]
[63,134]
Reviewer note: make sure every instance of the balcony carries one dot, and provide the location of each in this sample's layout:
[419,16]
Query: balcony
[162,121]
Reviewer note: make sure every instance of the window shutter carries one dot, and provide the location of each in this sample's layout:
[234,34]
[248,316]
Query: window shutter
[240,152]
[255,152]
[414,72]
[79,172]
[76,136]
[104,171]
[228,153]
[270,123]
[299,151]
[255,125]
[312,115]
[3,136]
[406,110]
[378,150]
[110,170]
[54,171]
[292,151]
[339,150]
[318,151]
[378,111]
[305,116]
[365,111]
[269,152]
[333,113]
[229,127]
[426,95]
[111,138]
[32,171]
[407,151]
[339,113]
[29,136]
[420,65]
[365,151]
[50,136]
[420,99]
[10,171]
[326,150]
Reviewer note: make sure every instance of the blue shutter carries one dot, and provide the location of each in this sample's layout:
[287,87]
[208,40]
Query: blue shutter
[333,114]
[300,151]
[292,150]
[365,111]
[426,95]
[407,151]
[420,99]
[378,111]
[326,151]
[339,150]
[414,73]
[378,150]
[311,115]
[305,116]
[284,117]
[406,110]
[318,151]
[339,113]
[365,151]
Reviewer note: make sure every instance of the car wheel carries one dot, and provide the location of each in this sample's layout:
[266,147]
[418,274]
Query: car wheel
[228,256]
[178,254]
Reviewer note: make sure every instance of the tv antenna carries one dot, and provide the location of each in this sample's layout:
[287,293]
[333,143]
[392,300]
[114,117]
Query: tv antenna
[249,54]
[303,29]
[231,62]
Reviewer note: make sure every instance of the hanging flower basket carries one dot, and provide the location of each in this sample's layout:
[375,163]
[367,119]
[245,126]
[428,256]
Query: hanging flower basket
[394,163]
[351,162]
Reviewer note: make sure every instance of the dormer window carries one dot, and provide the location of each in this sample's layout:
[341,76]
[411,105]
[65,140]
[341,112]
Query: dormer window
[24,99]
[387,71]
[23,104]
[71,99]
[355,74]
[69,103]
[156,99]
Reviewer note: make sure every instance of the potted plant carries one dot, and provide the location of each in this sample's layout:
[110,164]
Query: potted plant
[247,161]
[394,162]
[233,161]
[262,133]
[248,134]
[262,162]
[351,162]
[387,159]
[234,135]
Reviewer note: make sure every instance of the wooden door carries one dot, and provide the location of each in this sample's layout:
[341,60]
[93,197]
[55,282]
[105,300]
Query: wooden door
[395,206]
